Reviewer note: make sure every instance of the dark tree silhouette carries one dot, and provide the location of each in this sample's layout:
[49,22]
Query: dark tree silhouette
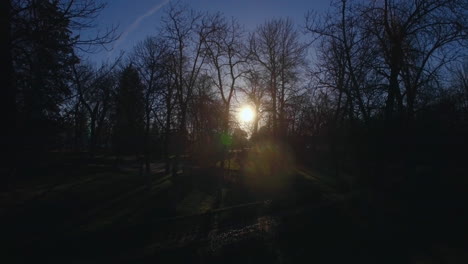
[8,101]
[275,46]
[130,112]
[43,47]
[186,33]
[150,58]
[255,90]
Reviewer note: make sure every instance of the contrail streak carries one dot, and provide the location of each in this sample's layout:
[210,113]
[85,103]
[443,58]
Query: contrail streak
[137,22]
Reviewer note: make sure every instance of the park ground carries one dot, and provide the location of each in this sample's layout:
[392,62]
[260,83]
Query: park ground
[91,210]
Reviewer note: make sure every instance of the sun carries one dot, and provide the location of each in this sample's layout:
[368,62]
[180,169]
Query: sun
[246,114]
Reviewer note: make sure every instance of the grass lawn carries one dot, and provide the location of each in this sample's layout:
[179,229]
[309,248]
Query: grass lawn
[95,211]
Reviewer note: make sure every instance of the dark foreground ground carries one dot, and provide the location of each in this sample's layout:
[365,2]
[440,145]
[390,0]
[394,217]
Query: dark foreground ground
[80,210]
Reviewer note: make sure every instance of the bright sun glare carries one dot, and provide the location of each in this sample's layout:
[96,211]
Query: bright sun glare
[246,114]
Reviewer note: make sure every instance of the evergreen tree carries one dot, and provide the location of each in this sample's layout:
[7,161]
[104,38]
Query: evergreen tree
[42,52]
[129,124]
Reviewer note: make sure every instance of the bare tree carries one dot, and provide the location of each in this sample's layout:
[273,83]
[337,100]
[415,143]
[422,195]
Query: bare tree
[415,40]
[224,48]
[345,47]
[94,90]
[225,52]
[276,47]
[150,58]
[185,31]
[255,90]
[459,82]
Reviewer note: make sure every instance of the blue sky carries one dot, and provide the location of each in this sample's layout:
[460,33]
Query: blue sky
[140,18]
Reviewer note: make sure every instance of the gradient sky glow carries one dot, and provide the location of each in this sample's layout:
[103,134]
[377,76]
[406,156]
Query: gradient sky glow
[140,18]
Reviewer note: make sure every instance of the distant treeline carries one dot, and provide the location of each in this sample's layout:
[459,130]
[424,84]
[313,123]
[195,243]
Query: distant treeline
[366,88]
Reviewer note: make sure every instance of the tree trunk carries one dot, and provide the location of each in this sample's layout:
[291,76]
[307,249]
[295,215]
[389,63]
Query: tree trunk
[273,97]
[167,130]
[393,87]
[78,135]
[410,98]
[257,118]
[226,131]
[147,144]
[92,142]
[180,140]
